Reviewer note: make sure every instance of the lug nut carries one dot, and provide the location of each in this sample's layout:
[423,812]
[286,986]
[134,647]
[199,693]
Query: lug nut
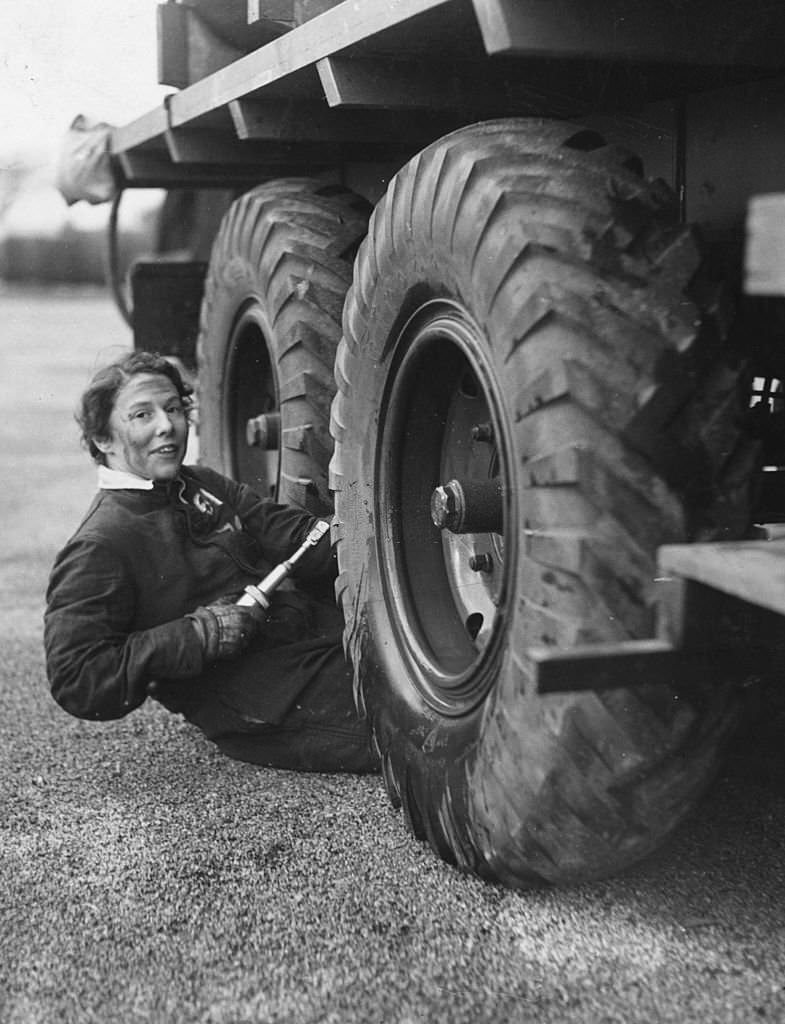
[481,563]
[483,432]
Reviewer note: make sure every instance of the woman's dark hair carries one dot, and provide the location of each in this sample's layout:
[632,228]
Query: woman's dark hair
[98,400]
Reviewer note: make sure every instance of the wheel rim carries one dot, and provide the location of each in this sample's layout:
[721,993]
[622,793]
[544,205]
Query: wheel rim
[250,392]
[447,614]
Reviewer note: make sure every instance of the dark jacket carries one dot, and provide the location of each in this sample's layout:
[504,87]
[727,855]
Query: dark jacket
[120,589]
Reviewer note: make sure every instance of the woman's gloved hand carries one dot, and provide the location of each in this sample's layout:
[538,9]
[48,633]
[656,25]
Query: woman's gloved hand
[225,628]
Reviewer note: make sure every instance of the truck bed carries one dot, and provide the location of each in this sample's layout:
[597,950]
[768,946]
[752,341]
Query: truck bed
[373,80]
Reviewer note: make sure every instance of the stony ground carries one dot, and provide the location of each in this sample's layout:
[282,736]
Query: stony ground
[145,878]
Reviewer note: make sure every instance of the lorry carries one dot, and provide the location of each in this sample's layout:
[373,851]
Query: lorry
[467,276]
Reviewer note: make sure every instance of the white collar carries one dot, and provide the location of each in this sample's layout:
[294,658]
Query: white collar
[119,480]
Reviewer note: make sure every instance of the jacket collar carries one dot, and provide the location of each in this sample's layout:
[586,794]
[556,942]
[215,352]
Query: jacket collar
[119,480]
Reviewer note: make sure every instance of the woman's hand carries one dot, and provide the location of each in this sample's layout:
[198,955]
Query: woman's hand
[225,629]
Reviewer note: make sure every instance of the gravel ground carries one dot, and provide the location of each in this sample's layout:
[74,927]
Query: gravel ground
[146,878]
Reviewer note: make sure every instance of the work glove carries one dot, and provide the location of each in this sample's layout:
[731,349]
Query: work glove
[225,629]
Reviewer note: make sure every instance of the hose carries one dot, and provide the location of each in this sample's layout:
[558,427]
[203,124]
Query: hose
[112,268]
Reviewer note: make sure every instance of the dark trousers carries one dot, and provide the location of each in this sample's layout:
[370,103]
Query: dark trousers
[287,701]
[321,733]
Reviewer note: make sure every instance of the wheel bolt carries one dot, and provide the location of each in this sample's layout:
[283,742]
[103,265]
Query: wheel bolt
[481,563]
[483,432]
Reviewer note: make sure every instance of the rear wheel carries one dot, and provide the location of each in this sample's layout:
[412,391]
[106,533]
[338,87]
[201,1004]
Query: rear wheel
[270,324]
[532,398]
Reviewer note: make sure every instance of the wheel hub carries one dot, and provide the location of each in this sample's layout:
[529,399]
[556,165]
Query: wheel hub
[442,480]
[468,506]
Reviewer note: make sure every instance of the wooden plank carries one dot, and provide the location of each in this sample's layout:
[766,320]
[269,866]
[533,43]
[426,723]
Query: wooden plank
[368,82]
[637,663]
[345,25]
[598,666]
[478,89]
[753,571]
[657,30]
[475,89]
[194,146]
[764,256]
[148,128]
[269,120]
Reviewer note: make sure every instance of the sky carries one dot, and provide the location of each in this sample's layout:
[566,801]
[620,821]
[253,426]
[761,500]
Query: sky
[60,58]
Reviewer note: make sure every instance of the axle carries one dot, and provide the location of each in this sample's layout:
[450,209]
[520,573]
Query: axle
[469,506]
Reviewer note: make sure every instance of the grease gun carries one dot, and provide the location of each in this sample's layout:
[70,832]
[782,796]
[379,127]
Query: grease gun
[257,595]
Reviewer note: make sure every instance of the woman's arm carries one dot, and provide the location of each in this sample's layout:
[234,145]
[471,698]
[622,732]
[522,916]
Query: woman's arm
[278,529]
[98,666]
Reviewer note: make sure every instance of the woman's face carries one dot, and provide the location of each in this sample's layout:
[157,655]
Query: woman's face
[148,429]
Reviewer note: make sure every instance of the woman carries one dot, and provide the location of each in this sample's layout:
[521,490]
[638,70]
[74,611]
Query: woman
[141,600]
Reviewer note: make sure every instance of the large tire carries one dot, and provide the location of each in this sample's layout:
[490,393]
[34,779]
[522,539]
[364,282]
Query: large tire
[521,277]
[270,325]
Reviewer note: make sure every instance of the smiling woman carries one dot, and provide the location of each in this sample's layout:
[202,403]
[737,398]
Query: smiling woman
[148,429]
[142,599]
[134,417]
